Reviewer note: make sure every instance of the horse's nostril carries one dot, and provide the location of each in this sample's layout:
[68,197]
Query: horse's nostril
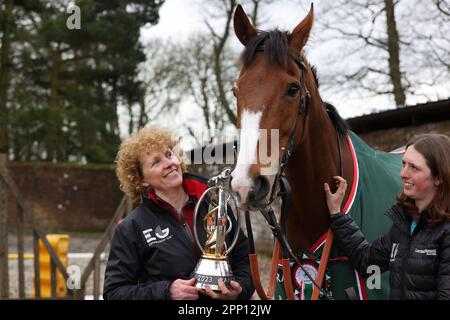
[261,188]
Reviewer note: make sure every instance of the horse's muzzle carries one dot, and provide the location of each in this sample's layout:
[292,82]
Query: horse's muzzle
[254,196]
[257,196]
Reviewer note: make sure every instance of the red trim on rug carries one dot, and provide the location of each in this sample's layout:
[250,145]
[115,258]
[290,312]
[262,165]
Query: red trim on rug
[398,152]
[352,195]
[343,258]
[362,285]
[318,243]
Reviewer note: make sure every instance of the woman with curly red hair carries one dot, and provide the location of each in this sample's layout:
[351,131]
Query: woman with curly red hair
[152,253]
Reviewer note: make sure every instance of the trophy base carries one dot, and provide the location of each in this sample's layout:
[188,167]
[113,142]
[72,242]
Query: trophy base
[210,270]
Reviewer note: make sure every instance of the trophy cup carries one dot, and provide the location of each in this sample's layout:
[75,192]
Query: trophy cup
[213,264]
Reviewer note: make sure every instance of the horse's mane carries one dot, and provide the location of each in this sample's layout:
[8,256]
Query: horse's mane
[274,44]
[339,124]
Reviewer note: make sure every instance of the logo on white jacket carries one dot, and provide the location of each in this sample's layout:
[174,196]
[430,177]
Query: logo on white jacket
[156,236]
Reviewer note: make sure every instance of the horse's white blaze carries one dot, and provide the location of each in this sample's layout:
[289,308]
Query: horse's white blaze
[249,136]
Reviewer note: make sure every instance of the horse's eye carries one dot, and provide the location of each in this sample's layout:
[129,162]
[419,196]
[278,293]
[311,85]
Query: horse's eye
[235,89]
[293,89]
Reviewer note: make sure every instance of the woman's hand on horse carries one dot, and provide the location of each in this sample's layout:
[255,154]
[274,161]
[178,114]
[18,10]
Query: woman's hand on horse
[334,200]
[230,292]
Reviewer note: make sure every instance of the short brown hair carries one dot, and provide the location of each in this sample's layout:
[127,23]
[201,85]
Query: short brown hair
[435,148]
[129,167]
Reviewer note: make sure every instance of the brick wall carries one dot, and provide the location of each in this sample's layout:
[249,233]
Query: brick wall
[393,138]
[66,197]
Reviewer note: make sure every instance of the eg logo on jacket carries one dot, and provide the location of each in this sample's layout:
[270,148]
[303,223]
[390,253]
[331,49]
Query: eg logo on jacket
[156,236]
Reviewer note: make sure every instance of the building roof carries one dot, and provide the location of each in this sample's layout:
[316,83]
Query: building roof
[409,116]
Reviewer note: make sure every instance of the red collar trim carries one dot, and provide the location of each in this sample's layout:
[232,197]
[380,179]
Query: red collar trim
[192,187]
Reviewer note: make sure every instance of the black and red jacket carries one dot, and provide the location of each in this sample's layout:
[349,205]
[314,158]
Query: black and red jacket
[419,263]
[153,246]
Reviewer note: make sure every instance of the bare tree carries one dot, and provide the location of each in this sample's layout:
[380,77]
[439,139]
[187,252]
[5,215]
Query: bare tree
[211,94]
[442,6]
[220,38]
[161,85]
[430,40]
[396,48]
[204,66]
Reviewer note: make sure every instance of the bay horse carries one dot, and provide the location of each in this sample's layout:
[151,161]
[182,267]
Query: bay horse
[278,89]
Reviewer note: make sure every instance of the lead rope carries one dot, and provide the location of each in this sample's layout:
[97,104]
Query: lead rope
[253,257]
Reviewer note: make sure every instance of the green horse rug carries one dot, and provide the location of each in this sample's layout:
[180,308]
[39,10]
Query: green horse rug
[376,183]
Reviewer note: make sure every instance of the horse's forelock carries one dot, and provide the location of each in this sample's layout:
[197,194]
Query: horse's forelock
[274,44]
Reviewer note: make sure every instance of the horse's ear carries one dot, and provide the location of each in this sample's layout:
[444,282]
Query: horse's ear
[243,28]
[300,34]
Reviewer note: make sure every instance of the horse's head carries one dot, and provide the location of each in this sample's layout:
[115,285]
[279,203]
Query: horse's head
[273,81]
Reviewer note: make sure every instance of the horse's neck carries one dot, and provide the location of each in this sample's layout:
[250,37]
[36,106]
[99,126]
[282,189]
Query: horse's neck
[314,162]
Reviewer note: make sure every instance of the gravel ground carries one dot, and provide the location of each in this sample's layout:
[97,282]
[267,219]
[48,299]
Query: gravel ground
[83,243]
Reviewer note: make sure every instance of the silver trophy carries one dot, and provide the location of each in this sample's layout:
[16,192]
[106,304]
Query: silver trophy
[213,264]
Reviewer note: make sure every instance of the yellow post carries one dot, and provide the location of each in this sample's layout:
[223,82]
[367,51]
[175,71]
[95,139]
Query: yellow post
[60,243]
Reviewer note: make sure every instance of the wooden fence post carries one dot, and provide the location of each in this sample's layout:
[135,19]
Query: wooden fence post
[4,272]
[21,251]
[121,211]
[96,278]
[37,270]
